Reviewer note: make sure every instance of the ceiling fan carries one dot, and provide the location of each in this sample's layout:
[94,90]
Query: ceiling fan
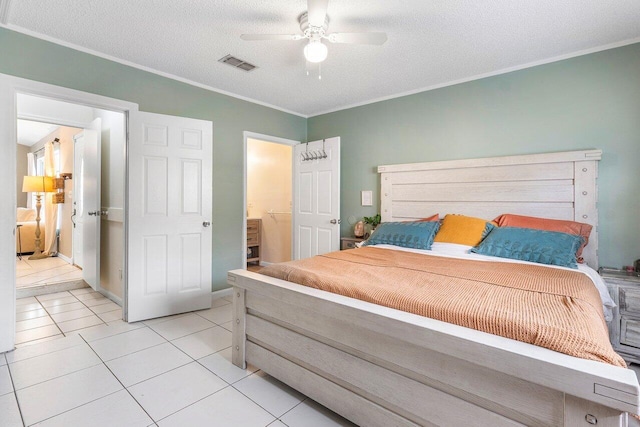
[314,24]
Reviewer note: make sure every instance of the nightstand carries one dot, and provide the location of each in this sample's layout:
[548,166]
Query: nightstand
[624,329]
[349,242]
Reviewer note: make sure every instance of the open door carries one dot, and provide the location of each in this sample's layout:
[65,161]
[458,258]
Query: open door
[170,207]
[316,220]
[87,203]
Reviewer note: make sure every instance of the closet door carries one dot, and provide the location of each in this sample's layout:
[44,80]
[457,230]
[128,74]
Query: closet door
[316,219]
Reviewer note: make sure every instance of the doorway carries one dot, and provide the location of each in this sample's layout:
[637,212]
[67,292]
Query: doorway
[269,200]
[40,144]
[85,152]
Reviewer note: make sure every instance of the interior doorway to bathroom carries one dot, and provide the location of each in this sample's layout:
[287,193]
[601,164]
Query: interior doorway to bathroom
[269,200]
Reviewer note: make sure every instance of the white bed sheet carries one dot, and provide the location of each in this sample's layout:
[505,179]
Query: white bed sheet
[452,250]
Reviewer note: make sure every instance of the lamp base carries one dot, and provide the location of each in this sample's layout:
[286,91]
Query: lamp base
[38,255]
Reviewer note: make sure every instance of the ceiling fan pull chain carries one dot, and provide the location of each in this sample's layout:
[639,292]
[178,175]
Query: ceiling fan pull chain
[320,71]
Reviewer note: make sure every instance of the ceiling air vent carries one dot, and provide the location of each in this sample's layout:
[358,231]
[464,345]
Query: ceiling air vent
[237,63]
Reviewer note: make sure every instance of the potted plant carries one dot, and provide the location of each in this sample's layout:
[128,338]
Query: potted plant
[372,222]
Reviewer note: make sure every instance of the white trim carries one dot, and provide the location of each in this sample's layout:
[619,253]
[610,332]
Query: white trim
[221,293]
[65,258]
[20,85]
[482,76]
[73,46]
[267,138]
[52,121]
[265,263]
[5,8]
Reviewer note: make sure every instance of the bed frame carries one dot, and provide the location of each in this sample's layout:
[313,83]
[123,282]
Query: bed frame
[377,366]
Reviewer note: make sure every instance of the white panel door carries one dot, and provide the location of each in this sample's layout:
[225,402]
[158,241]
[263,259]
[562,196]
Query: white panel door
[87,151]
[316,220]
[170,208]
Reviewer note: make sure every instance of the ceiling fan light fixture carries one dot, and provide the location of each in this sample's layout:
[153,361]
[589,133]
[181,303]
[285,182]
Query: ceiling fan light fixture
[315,51]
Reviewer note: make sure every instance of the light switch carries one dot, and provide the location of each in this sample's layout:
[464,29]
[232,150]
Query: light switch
[367,197]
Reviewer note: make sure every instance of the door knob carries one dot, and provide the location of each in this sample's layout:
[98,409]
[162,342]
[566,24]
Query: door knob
[206,224]
[335,221]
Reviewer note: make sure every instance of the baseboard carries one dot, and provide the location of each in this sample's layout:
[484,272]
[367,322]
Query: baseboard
[111,296]
[65,258]
[265,263]
[222,293]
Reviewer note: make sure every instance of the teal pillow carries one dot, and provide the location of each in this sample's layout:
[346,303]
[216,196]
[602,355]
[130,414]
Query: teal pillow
[527,244]
[415,234]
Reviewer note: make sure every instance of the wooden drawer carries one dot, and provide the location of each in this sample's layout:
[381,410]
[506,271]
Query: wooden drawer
[252,239]
[630,300]
[630,332]
[253,226]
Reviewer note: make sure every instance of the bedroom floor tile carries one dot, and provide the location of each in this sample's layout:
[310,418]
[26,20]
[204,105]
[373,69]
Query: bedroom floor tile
[126,343]
[181,326]
[37,369]
[117,409]
[9,412]
[218,315]
[70,391]
[205,342]
[148,363]
[83,322]
[311,414]
[6,386]
[42,348]
[220,364]
[159,396]
[36,334]
[64,381]
[111,316]
[227,407]
[271,394]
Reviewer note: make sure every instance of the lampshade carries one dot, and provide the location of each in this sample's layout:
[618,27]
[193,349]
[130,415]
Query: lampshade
[38,184]
[315,51]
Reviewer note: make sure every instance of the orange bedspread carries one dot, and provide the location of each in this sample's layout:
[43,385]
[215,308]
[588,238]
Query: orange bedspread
[553,308]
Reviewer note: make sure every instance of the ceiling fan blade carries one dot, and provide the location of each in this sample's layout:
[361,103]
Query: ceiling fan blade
[358,38]
[257,37]
[317,12]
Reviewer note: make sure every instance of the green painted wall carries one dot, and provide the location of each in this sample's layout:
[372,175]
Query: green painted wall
[592,101]
[35,59]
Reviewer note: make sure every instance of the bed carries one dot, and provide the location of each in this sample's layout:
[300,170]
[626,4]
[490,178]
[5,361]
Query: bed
[378,366]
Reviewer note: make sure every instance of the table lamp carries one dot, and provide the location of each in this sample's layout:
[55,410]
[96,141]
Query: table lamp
[38,185]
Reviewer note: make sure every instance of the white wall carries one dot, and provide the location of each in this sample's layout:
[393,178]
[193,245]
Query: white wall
[269,186]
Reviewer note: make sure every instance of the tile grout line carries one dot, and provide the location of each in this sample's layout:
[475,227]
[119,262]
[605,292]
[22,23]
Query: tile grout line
[265,409]
[15,392]
[117,379]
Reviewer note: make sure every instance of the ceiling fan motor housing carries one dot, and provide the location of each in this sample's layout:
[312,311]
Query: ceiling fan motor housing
[310,31]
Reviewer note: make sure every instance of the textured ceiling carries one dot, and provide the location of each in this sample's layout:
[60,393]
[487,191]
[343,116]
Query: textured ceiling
[430,43]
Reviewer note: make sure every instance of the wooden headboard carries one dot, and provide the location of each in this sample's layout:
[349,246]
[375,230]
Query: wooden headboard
[551,185]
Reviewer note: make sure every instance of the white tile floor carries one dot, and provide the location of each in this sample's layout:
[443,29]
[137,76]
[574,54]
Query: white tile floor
[172,371]
[44,271]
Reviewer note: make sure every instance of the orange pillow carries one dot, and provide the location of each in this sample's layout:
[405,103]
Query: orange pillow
[432,218]
[569,227]
[463,230]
